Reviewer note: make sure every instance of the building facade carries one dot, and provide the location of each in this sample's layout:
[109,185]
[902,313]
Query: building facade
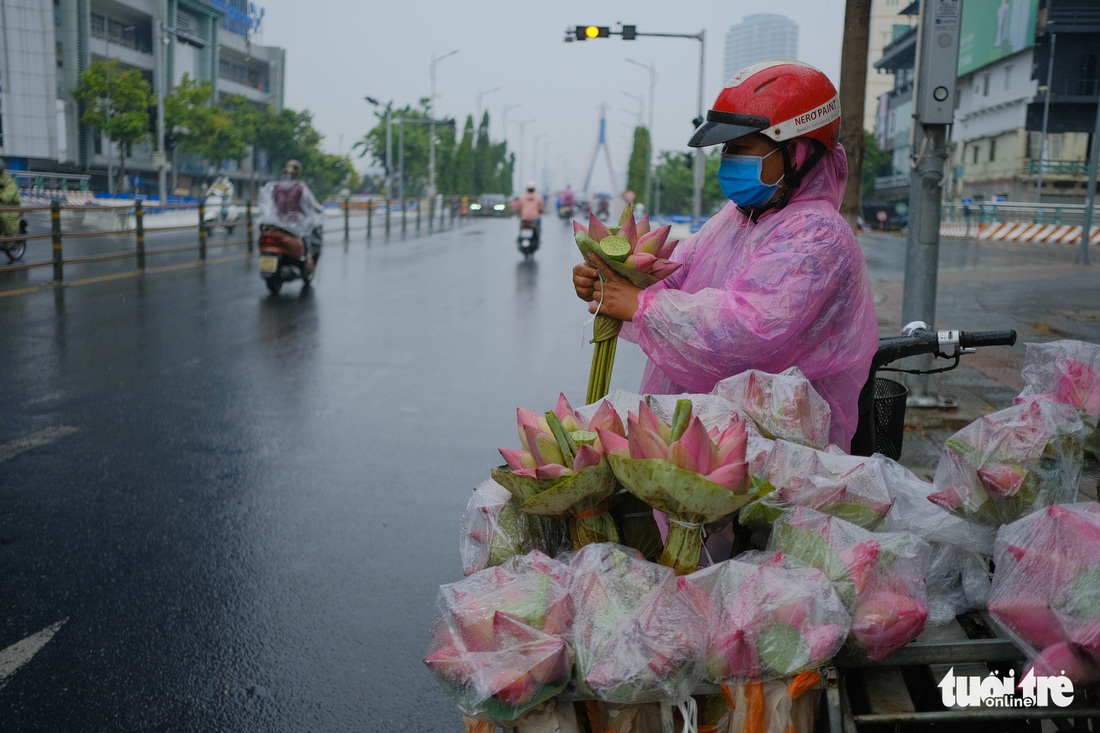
[759,37]
[1015,137]
[46,45]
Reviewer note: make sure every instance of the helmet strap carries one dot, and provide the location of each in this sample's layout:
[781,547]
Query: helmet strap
[791,179]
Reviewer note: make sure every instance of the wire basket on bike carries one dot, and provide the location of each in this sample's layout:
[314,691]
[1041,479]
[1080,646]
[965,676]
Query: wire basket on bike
[889,416]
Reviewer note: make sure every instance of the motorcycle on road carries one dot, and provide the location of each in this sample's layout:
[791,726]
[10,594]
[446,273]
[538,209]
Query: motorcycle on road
[15,248]
[283,258]
[528,240]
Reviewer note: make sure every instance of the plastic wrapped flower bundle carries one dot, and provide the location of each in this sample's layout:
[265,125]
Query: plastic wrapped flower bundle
[768,616]
[561,470]
[493,529]
[784,406]
[1067,372]
[636,637]
[879,576]
[693,475]
[850,487]
[636,253]
[1046,588]
[499,643]
[1005,465]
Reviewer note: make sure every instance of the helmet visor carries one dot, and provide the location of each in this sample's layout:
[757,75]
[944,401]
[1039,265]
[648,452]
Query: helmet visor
[721,127]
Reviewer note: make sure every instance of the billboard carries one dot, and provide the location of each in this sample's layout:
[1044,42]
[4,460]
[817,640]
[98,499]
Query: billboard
[994,29]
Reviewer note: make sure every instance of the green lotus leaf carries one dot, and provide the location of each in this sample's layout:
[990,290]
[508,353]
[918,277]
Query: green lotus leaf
[583,489]
[683,494]
[783,650]
[520,487]
[858,514]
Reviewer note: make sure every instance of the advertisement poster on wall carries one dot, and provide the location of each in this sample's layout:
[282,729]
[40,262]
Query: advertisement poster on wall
[994,29]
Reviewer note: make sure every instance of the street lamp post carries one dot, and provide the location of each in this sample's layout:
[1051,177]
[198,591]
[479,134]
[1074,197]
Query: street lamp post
[522,151]
[504,118]
[431,127]
[479,97]
[107,85]
[649,150]
[1046,117]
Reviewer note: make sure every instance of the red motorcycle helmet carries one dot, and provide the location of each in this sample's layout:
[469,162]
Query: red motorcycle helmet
[782,99]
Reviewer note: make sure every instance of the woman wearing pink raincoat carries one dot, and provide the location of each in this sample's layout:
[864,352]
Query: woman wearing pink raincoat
[776,279]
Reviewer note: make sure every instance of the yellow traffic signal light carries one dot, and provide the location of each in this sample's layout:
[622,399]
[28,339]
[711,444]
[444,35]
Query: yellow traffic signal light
[584,32]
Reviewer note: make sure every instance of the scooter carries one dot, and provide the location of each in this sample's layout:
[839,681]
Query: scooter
[528,240]
[283,258]
[15,248]
[565,211]
[220,211]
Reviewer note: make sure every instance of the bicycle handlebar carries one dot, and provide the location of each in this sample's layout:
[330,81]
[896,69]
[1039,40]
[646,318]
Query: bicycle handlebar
[945,344]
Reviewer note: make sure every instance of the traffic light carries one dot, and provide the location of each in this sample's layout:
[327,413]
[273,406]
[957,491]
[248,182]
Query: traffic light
[630,32]
[584,32]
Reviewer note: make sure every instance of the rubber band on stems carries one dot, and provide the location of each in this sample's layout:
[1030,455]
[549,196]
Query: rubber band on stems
[590,321]
[702,533]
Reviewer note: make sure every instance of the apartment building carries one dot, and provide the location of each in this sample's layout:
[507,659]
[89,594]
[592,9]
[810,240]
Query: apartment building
[46,44]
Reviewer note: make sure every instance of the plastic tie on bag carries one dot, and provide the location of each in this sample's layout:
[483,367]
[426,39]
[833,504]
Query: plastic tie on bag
[702,533]
[689,711]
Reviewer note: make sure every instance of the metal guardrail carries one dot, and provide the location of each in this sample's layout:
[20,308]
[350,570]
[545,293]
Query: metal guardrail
[411,214]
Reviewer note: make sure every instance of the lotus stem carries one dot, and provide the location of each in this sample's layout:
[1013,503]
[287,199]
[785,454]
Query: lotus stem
[683,548]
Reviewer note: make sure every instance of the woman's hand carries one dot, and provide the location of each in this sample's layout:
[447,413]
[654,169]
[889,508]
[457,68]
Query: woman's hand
[619,298]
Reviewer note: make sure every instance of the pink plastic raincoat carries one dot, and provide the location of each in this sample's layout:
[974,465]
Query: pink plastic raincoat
[789,290]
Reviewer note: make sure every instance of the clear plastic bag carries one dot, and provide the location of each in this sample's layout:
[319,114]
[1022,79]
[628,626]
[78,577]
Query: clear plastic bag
[499,644]
[1067,372]
[768,616]
[850,487]
[1046,588]
[493,529]
[880,576]
[636,638]
[1005,465]
[784,406]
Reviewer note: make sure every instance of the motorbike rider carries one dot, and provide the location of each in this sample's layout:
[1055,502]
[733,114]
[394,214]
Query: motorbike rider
[9,196]
[567,198]
[290,204]
[776,278]
[530,206]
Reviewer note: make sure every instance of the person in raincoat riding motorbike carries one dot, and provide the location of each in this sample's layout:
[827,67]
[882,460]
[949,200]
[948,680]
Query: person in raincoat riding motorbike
[776,279]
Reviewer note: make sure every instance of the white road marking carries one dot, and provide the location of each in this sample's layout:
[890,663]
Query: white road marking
[19,653]
[34,440]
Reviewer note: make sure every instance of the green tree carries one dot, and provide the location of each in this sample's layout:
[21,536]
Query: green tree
[876,162]
[636,166]
[188,116]
[116,102]
[674,171]
[465,183]
[485,162]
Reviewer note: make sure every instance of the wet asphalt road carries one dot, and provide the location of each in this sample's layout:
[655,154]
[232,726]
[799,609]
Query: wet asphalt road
[236,509]
[240,507]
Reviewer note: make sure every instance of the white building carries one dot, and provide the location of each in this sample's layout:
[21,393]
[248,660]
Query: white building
[759,37]
[46,46]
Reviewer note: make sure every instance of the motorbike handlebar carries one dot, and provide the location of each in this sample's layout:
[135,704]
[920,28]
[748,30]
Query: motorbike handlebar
[987,338]
[941,343]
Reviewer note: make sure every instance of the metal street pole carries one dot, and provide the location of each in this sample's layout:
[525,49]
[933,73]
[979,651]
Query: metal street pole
[519,164]
[1046,117]
[480,95]
[649,150]
[504,118]
[160,45]
[1090,197]
[431,129]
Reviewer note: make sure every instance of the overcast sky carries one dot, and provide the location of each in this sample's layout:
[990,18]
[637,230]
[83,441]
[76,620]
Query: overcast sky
[337,51]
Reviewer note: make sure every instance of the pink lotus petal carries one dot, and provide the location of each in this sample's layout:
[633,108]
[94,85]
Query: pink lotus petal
[597,229]
[629,231]
[643,226]
[606,418]
[663,268]
[733,476]
[641,261]
[733,442]
[694,451]
[613,443]
[566,414]
[1065,659]
[861,560]
[644,443]
[544,447]
[526,418]
[578,227]
[667,248]
[887,621]
[1031,618]
[587,455]
[517,459]
[1002,481]
[649,244]
[552,471]
[647,418]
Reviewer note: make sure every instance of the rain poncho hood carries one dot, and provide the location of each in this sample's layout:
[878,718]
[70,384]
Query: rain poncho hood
[790,290]
[290,205]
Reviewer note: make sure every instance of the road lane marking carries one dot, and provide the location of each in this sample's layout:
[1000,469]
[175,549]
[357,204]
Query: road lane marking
[19,653]
[34,440]
[124,275]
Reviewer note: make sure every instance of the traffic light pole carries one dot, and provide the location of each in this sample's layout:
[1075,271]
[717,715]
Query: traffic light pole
[700,159]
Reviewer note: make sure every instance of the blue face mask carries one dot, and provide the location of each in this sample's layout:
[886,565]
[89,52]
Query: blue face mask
[739,178]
